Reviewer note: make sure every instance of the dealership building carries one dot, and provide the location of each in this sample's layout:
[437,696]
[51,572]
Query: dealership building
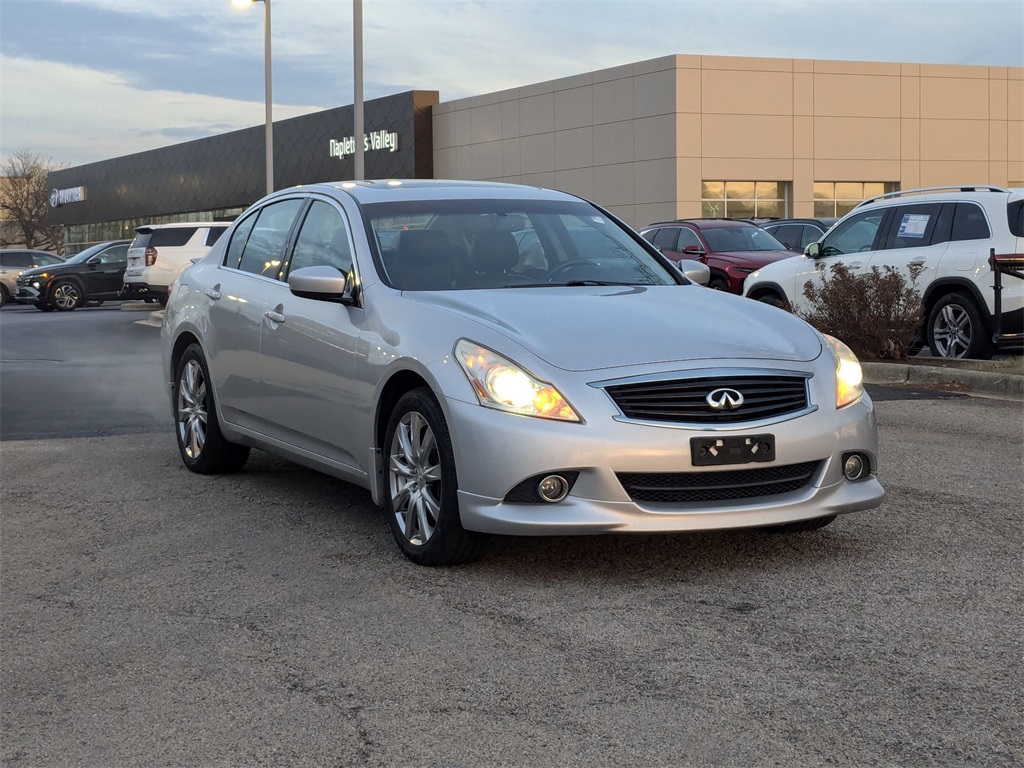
[673,137]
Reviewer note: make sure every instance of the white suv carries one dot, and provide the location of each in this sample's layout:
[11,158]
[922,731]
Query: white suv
[947,235]
[160,252]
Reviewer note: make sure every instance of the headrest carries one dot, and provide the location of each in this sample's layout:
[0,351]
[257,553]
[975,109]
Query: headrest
[423,246]
[494,252]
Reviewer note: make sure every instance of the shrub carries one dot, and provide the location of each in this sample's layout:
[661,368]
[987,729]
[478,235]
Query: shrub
[878,314]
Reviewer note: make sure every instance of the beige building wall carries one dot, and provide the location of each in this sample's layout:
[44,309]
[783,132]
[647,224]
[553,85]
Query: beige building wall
[641,138]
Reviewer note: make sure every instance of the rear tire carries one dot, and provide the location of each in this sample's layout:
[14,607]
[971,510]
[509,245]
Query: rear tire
[956,329]
[421,497]
[202,446]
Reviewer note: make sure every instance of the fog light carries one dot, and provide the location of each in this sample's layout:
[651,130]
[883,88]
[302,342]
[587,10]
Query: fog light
[553,488]
[855,466]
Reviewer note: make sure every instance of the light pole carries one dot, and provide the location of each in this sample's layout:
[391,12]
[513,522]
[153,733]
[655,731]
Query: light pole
[357,96]
[269,98]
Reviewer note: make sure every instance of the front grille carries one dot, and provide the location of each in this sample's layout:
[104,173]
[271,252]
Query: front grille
[682,487]
[685,400]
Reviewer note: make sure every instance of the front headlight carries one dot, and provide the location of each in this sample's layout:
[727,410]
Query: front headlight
[501,384]
[849,377]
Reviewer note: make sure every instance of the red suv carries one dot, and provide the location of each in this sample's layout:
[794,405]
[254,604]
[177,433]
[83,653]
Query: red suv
[731,248]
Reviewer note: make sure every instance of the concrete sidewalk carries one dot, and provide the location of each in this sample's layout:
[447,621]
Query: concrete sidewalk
[1003,378]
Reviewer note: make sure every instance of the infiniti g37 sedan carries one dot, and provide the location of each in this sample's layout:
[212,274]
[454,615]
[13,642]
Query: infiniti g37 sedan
[395,335]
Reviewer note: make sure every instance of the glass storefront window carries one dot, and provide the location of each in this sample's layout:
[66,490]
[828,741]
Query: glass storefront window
[743,199]
[78,237]
[837,198]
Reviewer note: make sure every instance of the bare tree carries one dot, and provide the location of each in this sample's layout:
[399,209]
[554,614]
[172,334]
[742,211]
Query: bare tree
[25,202]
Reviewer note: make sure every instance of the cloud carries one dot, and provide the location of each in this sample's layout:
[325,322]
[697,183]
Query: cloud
[78,115]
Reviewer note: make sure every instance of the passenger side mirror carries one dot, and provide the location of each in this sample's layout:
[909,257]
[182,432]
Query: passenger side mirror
[813,250]
[695,271]
[321,282]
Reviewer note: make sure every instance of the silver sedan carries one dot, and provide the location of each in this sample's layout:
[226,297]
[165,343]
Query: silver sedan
[496,359]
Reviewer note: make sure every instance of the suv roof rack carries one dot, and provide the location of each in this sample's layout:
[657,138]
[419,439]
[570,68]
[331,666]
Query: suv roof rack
[923,190]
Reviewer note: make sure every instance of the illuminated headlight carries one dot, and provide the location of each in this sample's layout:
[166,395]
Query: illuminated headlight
[501,384]
[849,377]
[36,284]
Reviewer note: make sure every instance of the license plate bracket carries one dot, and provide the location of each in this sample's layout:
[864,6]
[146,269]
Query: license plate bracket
[731,449]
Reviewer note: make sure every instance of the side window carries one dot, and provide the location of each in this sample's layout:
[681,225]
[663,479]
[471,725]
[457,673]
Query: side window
[17,260]
[238,241]
[854,234]
[323,240]
[689,237]
[811,234]
[789,234]
[969,223]
[265,248]
[666,238]
[913,226]
[214,235]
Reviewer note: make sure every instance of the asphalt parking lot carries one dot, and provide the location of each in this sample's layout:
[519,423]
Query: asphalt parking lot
[155,617]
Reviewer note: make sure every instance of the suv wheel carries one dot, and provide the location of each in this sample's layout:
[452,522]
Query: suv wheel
[66,295]
[957,330]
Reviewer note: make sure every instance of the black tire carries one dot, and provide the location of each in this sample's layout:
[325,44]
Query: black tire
[442,540]
[774,299]
[957,330]
[66,295]
[202,446]
[42,306]
[802,525]
[4,295]
[718,284]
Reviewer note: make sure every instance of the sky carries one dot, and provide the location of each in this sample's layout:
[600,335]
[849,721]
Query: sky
[87,80]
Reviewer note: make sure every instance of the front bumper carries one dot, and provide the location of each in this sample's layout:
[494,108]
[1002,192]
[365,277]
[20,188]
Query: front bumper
[495,451]
[29,294]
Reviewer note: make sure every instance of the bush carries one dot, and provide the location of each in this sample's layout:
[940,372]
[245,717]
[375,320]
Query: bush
[877,314]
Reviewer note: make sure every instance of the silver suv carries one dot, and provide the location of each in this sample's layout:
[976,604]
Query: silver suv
[949,237]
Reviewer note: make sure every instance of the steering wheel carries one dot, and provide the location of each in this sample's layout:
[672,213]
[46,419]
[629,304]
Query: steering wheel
[568,266]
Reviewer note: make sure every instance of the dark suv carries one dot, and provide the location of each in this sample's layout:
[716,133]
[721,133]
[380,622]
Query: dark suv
[92,276]
[797,234]
[731,248]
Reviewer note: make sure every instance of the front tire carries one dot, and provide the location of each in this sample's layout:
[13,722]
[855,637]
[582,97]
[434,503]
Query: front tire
[956,329]
[66,295]
[421,497]
[718,284]
[202,446]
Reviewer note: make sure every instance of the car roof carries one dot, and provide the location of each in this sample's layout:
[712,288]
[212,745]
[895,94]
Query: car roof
[394,190]
[953,193]
[150,227]
[824,220]
[704,223]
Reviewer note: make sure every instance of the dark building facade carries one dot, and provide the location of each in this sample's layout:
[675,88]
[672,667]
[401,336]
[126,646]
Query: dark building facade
[219,176]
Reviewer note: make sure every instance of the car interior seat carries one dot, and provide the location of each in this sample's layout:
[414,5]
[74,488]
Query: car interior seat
[422,262]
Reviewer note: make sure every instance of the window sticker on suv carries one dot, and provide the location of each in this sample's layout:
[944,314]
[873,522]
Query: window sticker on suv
[914,224]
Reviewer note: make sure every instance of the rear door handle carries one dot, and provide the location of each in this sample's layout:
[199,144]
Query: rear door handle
[917,263]
[276,317]
[213,293]
[854,265]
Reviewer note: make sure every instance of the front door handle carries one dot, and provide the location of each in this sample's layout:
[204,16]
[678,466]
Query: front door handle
[273,316]
[854,265]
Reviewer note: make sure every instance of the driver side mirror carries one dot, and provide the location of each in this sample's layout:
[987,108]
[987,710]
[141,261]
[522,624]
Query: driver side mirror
[694,270]
[695,249]
[813,250]
[321,282]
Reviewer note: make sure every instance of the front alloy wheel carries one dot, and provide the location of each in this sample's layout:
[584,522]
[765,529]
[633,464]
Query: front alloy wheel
[956,329]
[421,496]
[66,296]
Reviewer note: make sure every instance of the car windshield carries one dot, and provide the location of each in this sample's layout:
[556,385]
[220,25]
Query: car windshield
[739,238]
[473,244]
[83,256]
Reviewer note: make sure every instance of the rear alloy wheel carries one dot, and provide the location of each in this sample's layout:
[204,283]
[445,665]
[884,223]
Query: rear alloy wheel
[956,329]
[66,295]
[202,446]
[421,497]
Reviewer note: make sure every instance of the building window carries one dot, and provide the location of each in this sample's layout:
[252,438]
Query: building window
[743,199]
[838,198]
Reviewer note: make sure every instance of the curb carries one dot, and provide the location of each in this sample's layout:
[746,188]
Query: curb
[984,382]
[136,306]
[155,319]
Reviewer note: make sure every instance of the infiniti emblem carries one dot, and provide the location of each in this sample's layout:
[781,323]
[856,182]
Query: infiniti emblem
[724,399]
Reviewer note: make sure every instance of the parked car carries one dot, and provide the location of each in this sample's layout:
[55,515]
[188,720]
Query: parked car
[14,261]
[797,234]
[471,399]
[732,248]
[939,237]
[160,251]
[89,277]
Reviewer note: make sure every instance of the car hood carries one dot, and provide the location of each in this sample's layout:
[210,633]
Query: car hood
[583,328]
[53,269]
[755,258]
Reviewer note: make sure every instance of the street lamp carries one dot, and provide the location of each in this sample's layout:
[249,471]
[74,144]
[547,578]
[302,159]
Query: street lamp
[269,100]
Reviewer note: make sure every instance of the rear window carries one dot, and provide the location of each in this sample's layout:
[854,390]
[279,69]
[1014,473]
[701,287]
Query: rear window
[214,234]
[171,237]
[1015,217]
